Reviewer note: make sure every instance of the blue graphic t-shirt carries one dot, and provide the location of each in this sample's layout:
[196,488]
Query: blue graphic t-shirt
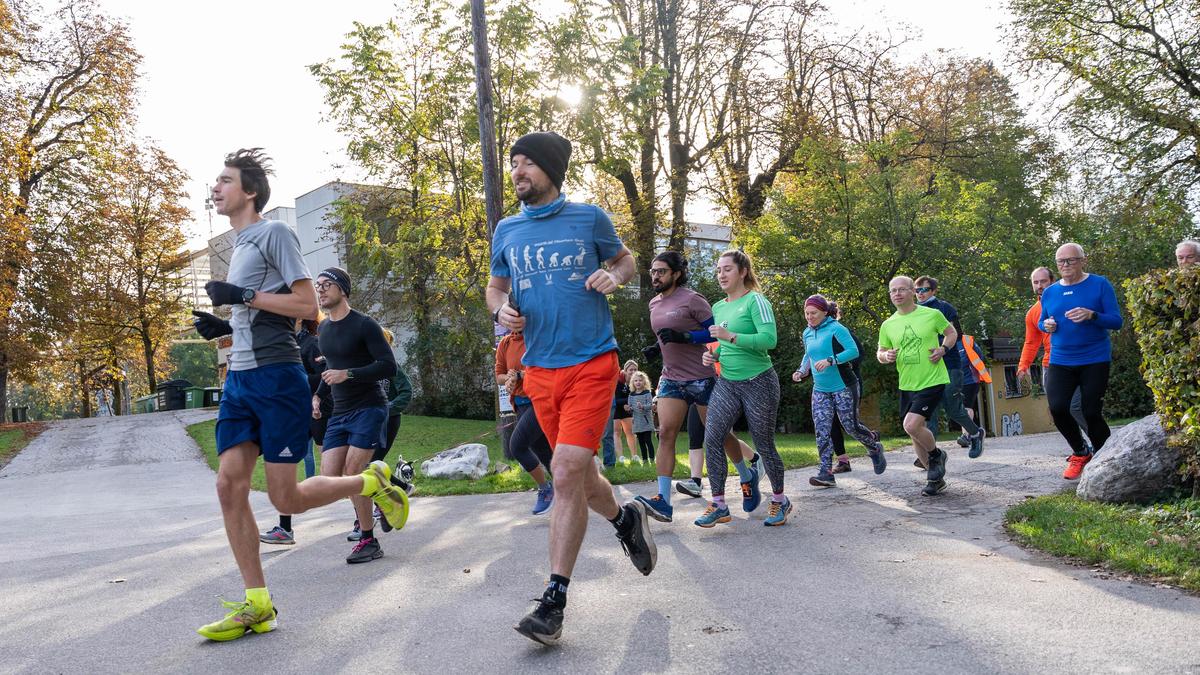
[549,252]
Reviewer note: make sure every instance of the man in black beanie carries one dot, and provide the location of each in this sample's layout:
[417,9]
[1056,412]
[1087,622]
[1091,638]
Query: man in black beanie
[560,260]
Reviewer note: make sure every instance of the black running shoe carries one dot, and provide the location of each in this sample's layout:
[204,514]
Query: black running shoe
[917,463]
[937,466]
[933,487]
[365,550]
[637,540]
[543,624]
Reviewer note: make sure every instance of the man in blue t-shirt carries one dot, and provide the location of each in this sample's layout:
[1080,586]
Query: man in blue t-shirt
[553,266]
[952,397]
[1078,311]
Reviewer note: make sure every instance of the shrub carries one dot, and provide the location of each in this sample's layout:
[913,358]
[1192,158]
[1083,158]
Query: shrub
[1165,307]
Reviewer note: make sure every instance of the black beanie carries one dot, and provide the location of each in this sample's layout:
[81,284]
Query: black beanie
[548,150]
[339,276]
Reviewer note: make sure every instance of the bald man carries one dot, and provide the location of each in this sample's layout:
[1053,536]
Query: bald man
[1078,311]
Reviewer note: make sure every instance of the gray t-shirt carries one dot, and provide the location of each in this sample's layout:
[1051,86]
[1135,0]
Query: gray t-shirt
[266,257]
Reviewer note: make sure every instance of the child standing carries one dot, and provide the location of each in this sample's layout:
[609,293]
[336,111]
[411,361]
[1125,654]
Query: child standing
[641,405]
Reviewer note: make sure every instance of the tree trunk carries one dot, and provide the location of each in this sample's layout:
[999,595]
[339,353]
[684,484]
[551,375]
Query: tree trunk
[116,398]
[148,354]
[3,389]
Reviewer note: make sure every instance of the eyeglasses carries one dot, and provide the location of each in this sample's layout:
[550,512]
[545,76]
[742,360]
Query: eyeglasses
[659,271]
[323,285]
[922,289]
[1063,262]
[902,289]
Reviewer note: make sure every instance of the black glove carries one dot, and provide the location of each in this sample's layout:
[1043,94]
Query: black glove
[210,327]
[652,353]
[224,293]
[672,335]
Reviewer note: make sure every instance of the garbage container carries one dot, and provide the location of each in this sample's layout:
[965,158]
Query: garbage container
[193,397]
[145,404]
[172,394]
[20,413]
[212,397]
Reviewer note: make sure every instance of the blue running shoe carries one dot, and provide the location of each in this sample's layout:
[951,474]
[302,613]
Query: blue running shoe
[976,444]
[714,514]
[657,508]
[545,499]
[751,495]
[822,479]
[777,512]
[878,459]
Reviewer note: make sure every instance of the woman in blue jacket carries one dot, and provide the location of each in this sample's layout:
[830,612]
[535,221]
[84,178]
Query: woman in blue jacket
[829,348]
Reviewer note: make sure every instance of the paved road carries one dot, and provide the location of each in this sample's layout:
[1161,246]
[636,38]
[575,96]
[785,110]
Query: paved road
[869,577]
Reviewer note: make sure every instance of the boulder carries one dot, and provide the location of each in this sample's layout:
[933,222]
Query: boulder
[1135,465]
[465,461]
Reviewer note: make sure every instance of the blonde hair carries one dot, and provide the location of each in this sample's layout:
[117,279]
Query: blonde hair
[744,264]
[628,363]
[633,378]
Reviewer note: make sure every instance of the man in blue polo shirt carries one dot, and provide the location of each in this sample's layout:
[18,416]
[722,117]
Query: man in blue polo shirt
[952,397]
[1078,311]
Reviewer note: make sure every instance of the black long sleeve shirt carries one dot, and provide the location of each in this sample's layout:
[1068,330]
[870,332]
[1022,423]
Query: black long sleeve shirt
[356,343]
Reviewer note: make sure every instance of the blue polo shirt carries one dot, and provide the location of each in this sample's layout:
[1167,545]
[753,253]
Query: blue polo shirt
[548,252]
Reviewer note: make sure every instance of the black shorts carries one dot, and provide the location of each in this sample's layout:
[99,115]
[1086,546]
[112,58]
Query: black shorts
[970,393]
[695,429]
[922,402]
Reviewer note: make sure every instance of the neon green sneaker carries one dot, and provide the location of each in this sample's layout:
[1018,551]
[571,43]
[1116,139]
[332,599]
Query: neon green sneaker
[244,618]
[391,500]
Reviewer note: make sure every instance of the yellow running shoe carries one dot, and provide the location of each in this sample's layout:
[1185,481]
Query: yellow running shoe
[391,500]
[244,618]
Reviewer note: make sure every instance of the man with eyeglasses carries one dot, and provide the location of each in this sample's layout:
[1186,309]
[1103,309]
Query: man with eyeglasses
[1040,279]
[1077,312]
[1187,252]
[952,397]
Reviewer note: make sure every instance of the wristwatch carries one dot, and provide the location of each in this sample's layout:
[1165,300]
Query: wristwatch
[496,314]
[349,374]
[248,295]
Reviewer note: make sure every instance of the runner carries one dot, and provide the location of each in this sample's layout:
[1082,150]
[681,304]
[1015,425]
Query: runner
[265,404]
[1077,312]
[306,338]
[745,327]
[551,255]
[952,397]
[357,359]
[828,350]
[915,339]
[680,317]
[974,372]
[836,433]
[397,391]
[1040,279]
[528,444]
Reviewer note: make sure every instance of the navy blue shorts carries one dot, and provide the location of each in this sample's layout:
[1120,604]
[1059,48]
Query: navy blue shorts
[364,428]
[269,406]
[694,392]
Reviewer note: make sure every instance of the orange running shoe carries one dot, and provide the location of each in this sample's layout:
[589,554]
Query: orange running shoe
[1075,464]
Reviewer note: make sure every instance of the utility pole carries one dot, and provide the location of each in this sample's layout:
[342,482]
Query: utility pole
[487,119]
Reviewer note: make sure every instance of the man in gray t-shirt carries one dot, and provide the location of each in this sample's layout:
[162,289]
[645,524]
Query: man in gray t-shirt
[265,407]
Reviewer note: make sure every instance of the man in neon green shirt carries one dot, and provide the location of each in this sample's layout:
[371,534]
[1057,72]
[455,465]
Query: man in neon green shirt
[916,338]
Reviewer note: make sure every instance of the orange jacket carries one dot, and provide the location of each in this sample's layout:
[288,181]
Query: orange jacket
[508,357]
[968,343]
[1034,338]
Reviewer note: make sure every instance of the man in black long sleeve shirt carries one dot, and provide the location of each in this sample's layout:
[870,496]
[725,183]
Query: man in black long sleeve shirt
[357,357]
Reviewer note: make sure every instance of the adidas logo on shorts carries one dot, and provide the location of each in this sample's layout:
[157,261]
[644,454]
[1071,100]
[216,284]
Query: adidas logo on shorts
[285,453]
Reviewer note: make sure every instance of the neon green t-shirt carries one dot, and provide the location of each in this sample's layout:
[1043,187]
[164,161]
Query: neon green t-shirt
[914,336]
[751,318]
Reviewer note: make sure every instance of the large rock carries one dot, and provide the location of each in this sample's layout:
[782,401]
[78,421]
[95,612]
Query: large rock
[465,461]
[1136,465]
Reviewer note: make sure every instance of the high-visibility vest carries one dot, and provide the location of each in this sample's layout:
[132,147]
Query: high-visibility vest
[976,361]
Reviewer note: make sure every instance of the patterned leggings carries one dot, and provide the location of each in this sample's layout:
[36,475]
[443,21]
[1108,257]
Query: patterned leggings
[758,398]
[844,404]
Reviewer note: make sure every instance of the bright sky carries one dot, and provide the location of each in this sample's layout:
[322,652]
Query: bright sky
[197,55]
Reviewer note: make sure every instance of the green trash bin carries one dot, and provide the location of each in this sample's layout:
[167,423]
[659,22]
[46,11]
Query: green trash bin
[193,397]
[145,404]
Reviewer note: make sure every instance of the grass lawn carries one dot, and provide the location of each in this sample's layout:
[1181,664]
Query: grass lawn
[423,437]
[1161,541]
[14,437]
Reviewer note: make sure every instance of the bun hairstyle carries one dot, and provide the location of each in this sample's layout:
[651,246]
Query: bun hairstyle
[677,263]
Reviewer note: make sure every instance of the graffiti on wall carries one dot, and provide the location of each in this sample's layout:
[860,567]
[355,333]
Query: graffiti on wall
[1010,425]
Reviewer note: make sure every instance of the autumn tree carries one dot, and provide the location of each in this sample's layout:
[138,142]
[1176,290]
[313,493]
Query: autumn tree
[67,93]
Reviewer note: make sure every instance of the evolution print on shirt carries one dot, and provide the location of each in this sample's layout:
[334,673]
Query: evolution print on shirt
[544,261]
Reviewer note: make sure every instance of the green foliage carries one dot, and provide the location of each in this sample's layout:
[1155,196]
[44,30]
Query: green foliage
[14,437]
[1165,306]
[1161,541]
[195,362]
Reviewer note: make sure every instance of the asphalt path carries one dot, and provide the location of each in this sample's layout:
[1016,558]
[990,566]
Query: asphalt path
[112,552]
